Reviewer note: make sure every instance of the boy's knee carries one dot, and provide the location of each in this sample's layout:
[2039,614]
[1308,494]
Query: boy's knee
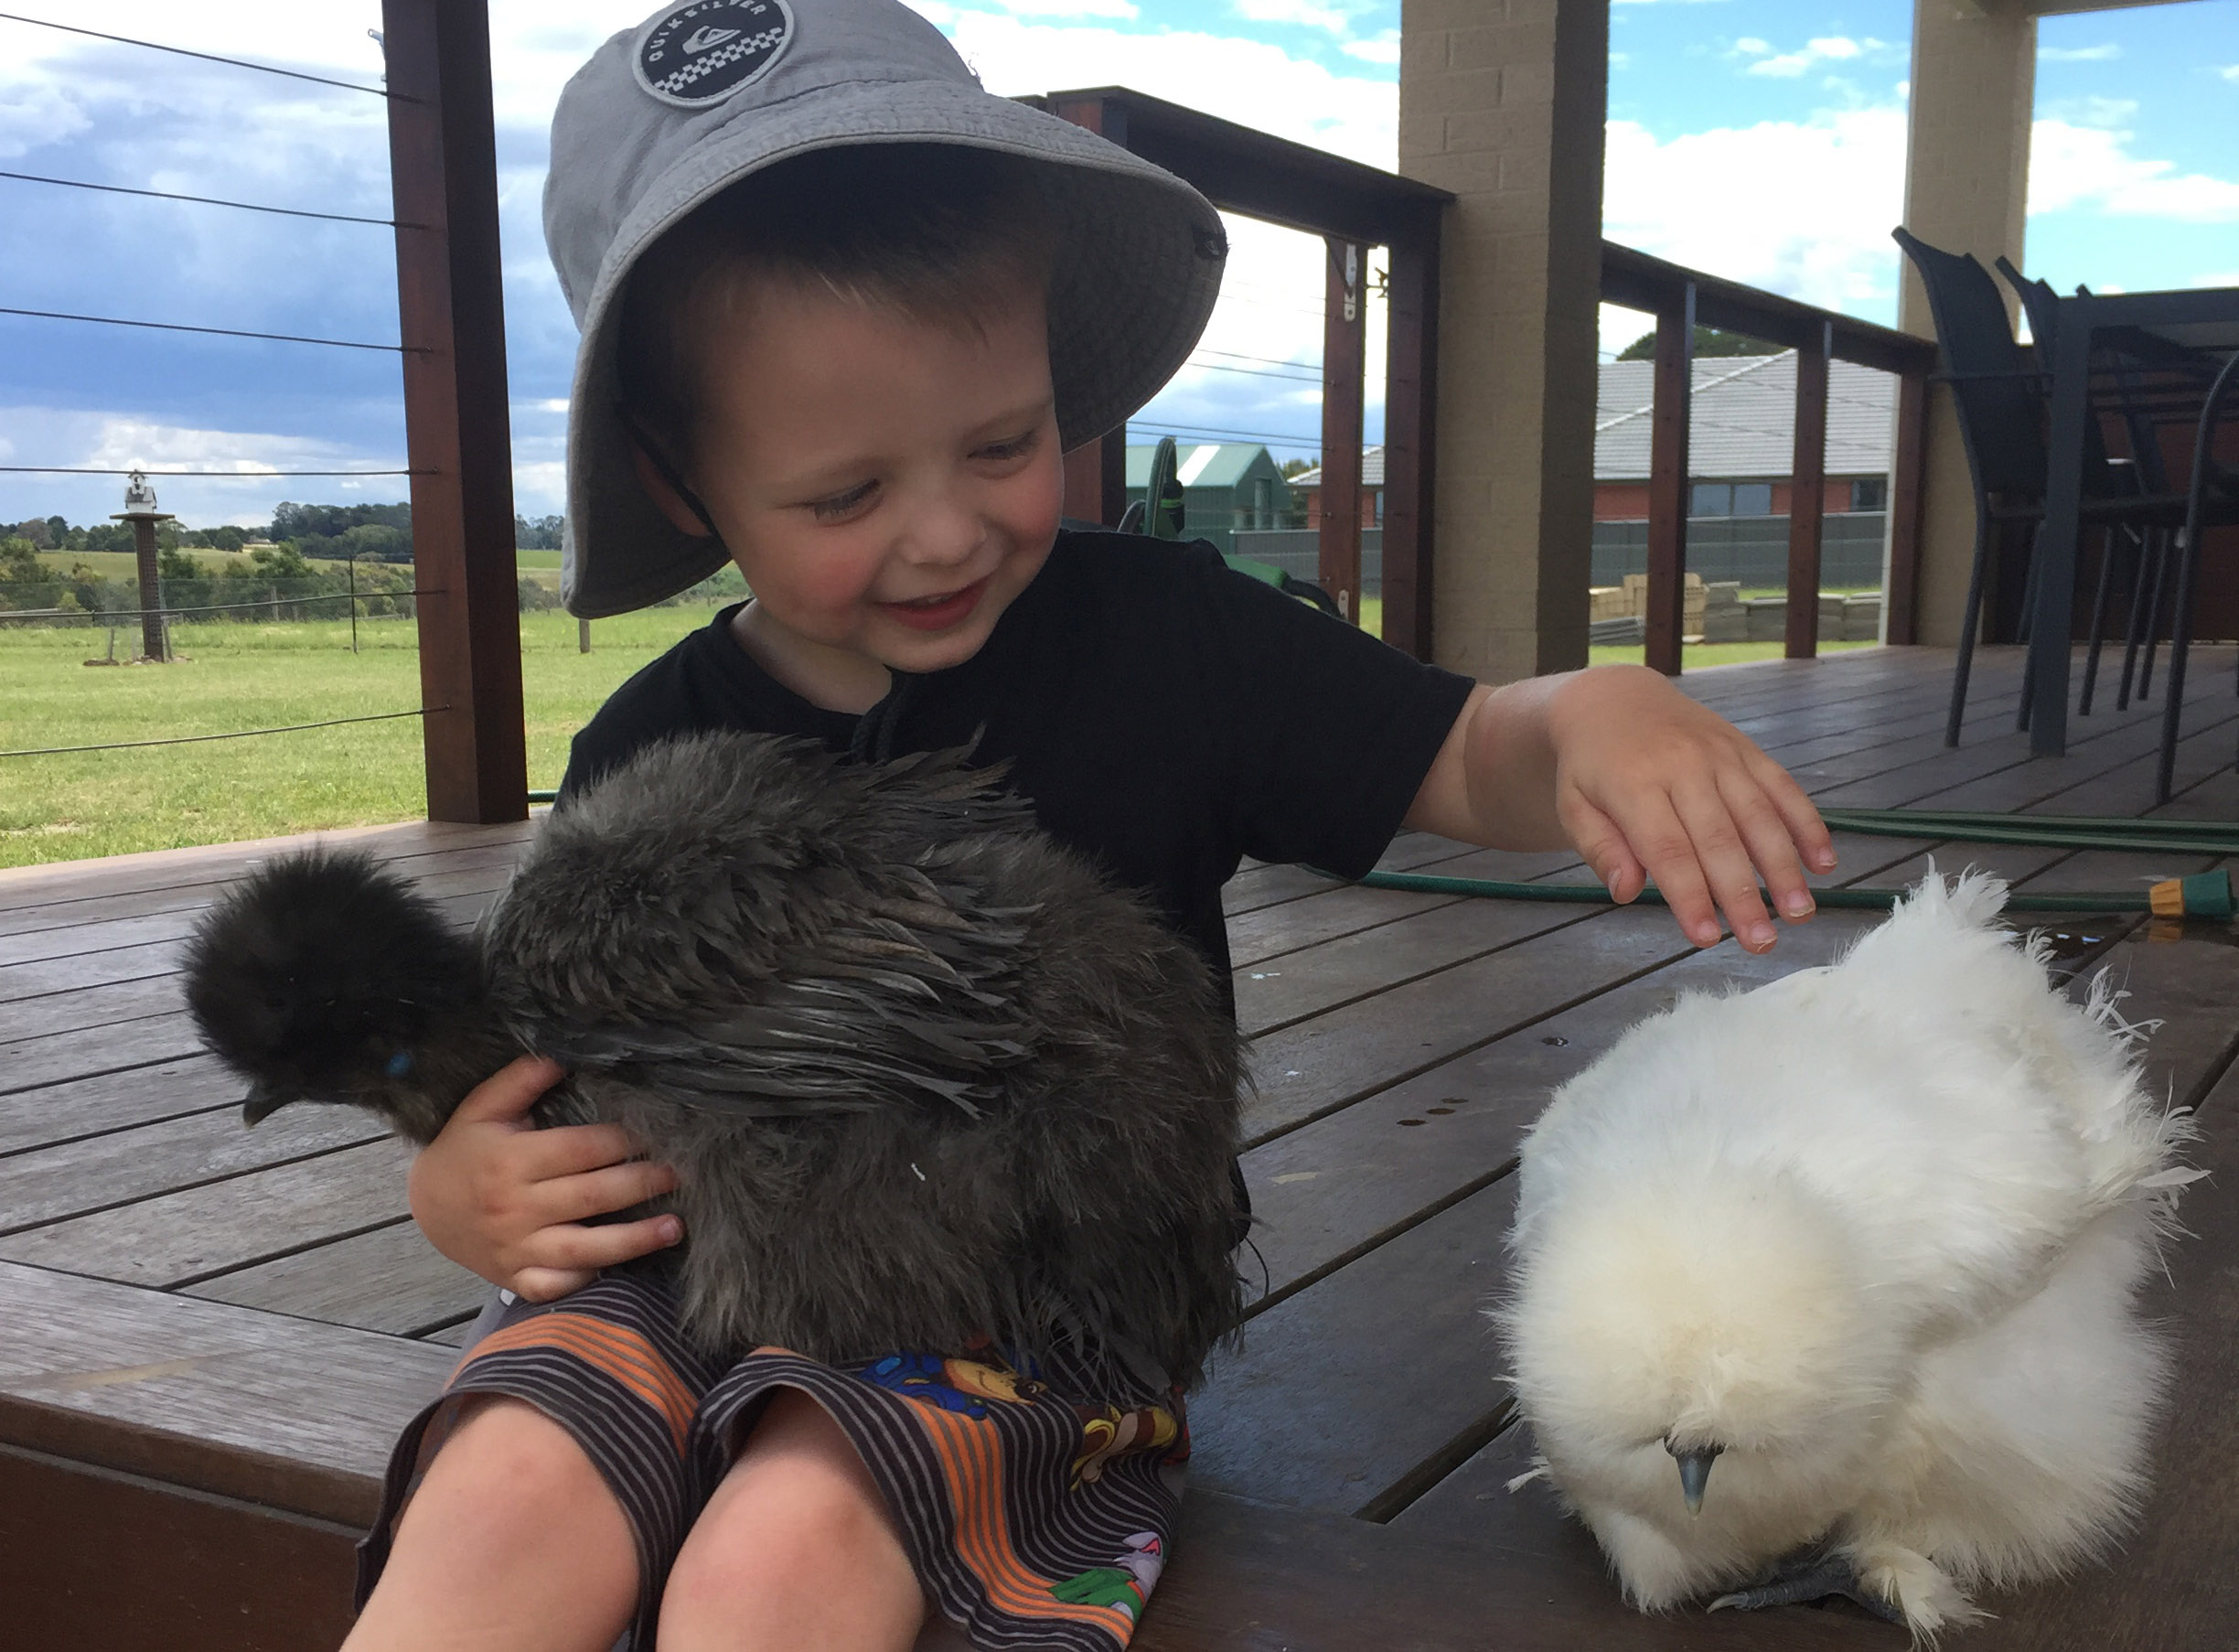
[516,1468]
[797,1526]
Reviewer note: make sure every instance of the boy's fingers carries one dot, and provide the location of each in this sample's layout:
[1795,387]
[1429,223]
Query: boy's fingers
[1805,829]
[602,1192]
[1664,847]
[1724,860]
[574,1249]
[1765,834]
[569,1149]
[548,1284]
[509,1092]
[1603,848]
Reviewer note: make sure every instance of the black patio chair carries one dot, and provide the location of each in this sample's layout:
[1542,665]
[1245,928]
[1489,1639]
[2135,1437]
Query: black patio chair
[2142,473]
[2212,498]
[2001,406]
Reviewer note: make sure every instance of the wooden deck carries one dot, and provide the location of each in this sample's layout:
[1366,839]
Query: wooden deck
[212,1333]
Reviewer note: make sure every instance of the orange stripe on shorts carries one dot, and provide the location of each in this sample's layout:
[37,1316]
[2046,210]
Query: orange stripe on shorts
[628,1356]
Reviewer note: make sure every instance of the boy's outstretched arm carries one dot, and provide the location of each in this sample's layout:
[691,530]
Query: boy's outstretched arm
[1643,783]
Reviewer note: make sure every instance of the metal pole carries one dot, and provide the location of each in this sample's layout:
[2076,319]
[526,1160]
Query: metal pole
[353,598]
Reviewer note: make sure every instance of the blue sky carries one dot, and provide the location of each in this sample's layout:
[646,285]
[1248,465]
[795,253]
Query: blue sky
[1760,139]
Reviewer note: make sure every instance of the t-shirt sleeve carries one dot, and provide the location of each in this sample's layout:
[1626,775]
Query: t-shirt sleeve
[1330,732]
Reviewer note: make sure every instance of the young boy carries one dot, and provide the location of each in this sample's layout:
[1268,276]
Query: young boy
[843,312]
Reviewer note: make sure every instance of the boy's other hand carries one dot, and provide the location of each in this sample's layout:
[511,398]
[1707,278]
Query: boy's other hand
[510,1202]
[1643,783]
[1650,784]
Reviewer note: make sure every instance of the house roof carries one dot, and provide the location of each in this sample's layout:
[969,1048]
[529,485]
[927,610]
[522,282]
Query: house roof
[1372,471]
[1200,464]
[1742,423]
[1742,420]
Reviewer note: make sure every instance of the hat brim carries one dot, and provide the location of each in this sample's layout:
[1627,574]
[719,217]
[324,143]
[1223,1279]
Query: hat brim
[1137,269]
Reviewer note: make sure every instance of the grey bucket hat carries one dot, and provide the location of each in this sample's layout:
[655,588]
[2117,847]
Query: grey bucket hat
[667,115]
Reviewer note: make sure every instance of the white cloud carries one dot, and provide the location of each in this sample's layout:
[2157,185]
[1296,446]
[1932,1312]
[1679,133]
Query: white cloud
[1307,14]
[2079,54]
[1751,46]
[1123,9]
[1384,49]
[1250,82]
[2073,166]
[1699,199]
[1826,49]
[2230,72]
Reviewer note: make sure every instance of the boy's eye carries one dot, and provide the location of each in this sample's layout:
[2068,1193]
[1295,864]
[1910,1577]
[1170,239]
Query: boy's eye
[1016,447]
[843,504]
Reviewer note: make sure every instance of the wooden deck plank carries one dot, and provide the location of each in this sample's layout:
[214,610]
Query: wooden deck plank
[181,1238]
[96,1172]
[389,1280]
[108,1101]
[283,1411]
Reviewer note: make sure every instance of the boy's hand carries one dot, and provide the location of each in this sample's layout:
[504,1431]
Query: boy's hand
[1644,783]
[508,1201]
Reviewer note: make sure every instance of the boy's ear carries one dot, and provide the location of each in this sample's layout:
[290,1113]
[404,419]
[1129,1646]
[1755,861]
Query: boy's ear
[665,497]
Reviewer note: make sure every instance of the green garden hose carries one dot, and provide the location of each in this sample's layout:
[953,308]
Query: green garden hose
[2204,894]
[2042,831]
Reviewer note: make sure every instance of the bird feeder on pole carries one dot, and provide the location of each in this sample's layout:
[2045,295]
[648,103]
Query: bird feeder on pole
[141,512]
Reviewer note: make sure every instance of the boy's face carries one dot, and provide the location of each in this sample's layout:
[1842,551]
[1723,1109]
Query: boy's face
[886,486]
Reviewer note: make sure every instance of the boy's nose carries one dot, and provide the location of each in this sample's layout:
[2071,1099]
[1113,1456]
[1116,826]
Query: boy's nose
[944,533]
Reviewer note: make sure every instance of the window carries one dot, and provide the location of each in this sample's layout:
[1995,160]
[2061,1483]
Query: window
[1712,499]
[1752,499]
[1869,493]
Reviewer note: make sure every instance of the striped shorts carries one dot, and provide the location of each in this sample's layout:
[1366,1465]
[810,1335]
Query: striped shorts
[1034,1499]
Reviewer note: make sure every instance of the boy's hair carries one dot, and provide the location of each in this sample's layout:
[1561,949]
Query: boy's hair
[941,233]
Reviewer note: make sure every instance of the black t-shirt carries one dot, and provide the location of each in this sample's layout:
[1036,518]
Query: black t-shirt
[1163,714]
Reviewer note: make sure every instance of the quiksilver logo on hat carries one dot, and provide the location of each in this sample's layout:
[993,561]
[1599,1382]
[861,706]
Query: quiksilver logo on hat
[695,55]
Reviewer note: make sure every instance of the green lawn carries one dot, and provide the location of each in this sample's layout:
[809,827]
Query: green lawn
[260,676]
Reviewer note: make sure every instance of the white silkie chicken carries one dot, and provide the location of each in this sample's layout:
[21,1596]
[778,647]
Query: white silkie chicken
[1826,1288]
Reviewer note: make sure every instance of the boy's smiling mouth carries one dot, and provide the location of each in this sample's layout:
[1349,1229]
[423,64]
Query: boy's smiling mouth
[940,611]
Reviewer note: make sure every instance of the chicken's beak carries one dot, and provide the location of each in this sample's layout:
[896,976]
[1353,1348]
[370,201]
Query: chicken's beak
[1694,1473]
[262,1101]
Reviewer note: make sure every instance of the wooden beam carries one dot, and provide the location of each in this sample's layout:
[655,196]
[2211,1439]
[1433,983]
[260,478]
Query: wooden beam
[444,171]
[1901,618]
[1638,281]
[1240,169]
[1410,432]
[1806,500]
[1668,481]
[1345,340]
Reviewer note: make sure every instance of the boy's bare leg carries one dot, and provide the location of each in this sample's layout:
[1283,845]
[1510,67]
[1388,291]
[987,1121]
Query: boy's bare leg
[513,1541]
[794,1553]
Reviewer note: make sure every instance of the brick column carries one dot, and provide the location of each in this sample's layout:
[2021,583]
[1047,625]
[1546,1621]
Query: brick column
[1967,191]
[1503,102]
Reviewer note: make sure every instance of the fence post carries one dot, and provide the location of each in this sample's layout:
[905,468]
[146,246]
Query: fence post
[1806,495]
[1095,471]
[1410,432]
[1345,340]
[442,165]
[1901,602]
[1667,479]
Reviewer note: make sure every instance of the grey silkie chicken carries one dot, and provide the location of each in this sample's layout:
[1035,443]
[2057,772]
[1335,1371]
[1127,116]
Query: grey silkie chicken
[924,1075]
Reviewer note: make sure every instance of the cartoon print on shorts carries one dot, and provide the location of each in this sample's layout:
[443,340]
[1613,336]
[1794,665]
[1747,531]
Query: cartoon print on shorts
[1126,1585]
[1112,1433]
[962,1386]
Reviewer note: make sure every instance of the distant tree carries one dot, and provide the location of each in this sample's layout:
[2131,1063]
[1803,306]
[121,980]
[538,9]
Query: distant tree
[537,534]
[1708,341]
[279,562]
[19,562]
[172,562]
[1291,468]
[292,521]
[228,538]
[107,536]
[56,532]
[375,539]
[35,529]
